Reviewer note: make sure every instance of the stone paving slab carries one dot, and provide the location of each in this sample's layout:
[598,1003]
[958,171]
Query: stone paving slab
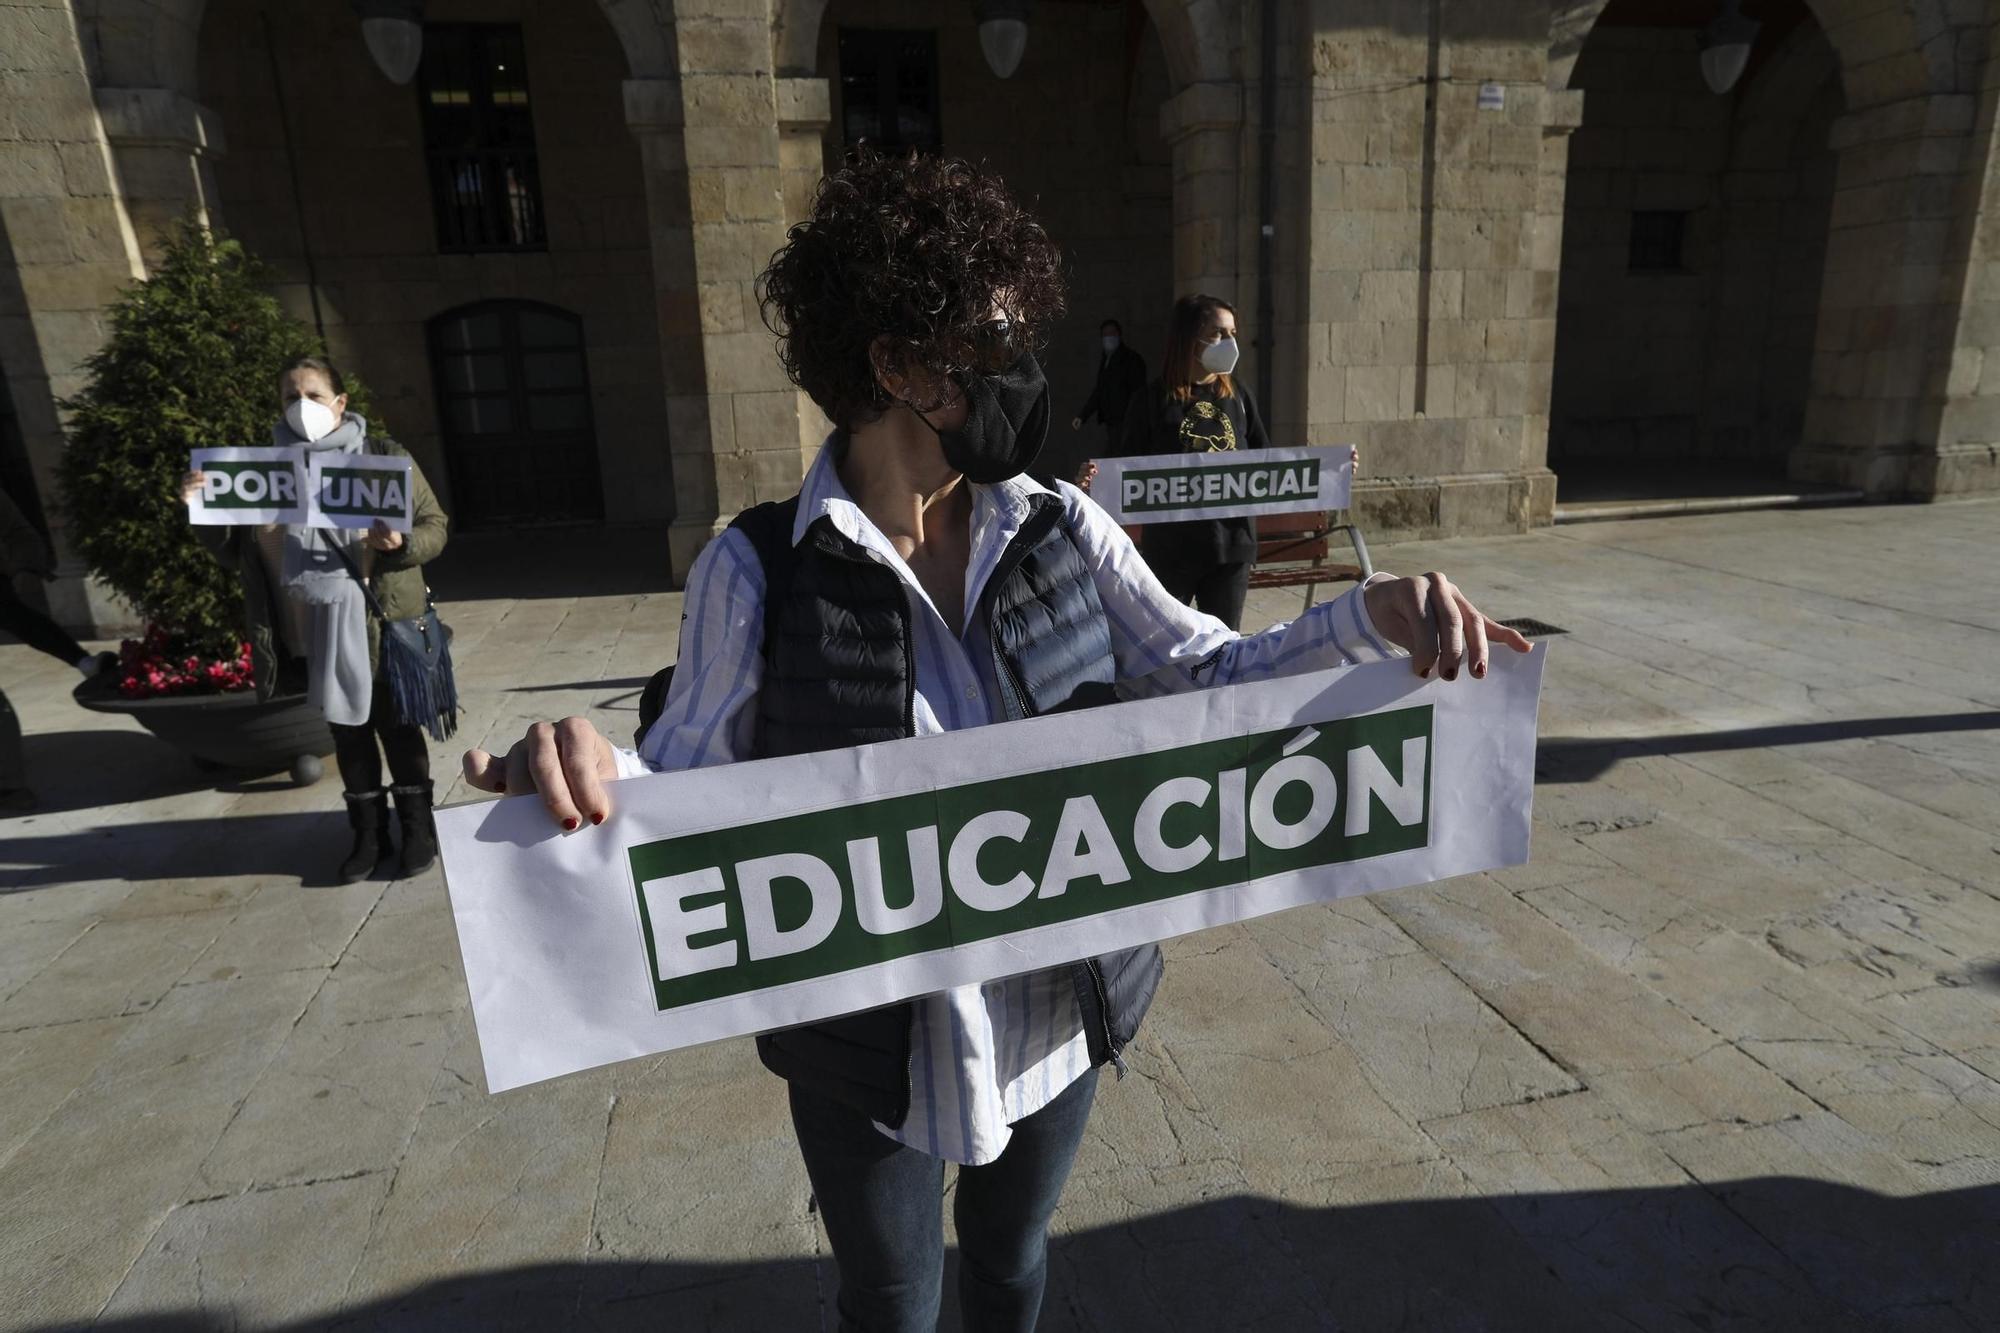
[1724,1055]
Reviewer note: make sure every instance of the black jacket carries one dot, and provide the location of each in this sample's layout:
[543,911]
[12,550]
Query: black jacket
[840,670]
[1119,376]
[1159,423]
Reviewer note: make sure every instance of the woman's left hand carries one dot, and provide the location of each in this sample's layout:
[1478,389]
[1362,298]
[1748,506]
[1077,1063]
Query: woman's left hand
[382,537]
[1429,616]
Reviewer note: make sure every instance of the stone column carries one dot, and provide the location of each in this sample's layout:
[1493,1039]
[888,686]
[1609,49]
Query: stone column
[163,147]
[1433,241]
[1532,498]
[69,250]
[709,144]
[804,112]
[1887,390]
[1203,125]
[1966,456]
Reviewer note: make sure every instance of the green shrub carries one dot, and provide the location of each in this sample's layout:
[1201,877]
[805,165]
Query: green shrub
[192,361]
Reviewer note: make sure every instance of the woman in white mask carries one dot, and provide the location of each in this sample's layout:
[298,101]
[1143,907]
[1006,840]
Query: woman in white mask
[310,625]
[1197,406]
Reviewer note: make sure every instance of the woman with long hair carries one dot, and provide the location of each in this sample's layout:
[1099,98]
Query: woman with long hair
[1198,406]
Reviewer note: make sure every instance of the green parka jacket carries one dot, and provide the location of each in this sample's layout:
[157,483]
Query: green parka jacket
[396,577]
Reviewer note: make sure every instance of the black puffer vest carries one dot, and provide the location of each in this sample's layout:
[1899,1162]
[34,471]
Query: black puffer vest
[840,670]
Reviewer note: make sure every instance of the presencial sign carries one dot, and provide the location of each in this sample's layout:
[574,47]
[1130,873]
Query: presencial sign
[1230,483]
[304,488]
[725,901]
[246,486]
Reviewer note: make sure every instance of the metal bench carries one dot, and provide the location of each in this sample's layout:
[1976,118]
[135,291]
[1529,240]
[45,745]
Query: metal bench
[1292,550]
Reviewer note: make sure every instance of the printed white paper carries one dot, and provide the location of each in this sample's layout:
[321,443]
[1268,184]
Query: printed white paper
[720,902]
[1232,483]
[247,486]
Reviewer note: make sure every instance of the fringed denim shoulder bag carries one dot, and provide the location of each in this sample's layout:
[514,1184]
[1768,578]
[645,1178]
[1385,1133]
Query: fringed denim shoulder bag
[416,662]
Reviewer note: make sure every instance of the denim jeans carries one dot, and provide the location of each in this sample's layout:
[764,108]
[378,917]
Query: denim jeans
[882,1204]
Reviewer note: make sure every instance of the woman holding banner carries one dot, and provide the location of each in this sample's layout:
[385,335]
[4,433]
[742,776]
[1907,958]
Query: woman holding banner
[309,620]
[1197,406]
[920,583]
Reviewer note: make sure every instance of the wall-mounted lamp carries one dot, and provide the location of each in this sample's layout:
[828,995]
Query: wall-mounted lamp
[394,32]
[1003,33]
[1725,47]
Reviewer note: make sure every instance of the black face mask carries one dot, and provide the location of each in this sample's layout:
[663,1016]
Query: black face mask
[1006,423]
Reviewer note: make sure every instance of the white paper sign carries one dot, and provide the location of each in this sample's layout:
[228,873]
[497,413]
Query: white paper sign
[247,486]
[1237,483]
[354,490]
[720,902]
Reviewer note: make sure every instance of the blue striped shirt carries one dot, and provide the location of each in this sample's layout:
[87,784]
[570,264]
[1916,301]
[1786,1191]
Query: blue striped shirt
[983,1057]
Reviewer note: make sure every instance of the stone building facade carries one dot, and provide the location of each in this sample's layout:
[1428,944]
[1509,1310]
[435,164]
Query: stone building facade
[1474,237]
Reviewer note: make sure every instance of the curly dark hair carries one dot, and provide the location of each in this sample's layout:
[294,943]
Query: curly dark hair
[909,248]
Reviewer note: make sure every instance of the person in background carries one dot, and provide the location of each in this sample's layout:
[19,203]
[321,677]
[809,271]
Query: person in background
[309,621]
[24,553]
[1197,406]
[1121,372]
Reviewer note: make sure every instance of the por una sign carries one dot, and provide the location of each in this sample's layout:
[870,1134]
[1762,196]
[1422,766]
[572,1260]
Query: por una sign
[304,488]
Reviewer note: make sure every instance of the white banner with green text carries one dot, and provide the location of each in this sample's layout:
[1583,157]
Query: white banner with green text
[289,484]
[1231,483]
[726,901]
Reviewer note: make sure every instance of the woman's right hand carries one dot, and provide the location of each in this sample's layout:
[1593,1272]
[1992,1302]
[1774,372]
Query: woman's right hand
[568,762]
[191,485]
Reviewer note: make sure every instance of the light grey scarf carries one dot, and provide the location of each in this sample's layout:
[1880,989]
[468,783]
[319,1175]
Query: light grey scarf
[338,681]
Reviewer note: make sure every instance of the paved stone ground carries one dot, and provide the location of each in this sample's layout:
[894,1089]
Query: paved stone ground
[1726,1055]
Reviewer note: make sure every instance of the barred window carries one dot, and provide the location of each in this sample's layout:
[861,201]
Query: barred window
[479,137]
[514,406]
[889,88]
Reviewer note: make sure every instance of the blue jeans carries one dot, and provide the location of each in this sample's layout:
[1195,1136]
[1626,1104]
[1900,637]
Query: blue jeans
[882,1204]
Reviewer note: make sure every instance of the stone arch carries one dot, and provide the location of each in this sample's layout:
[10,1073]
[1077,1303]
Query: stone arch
[645,30]
[1196,35]
[1910,49]
[1804,62]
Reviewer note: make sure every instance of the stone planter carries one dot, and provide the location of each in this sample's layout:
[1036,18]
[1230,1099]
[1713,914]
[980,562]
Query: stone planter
[229,730]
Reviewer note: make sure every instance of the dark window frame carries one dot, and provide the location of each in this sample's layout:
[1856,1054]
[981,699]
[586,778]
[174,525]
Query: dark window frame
[570,453]
[888,61]
[484,165]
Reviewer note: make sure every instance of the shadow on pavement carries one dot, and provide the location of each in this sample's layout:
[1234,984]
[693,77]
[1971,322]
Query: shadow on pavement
[84,770]
[303,846]
[552,562]
[1770,1253]
[1558,759]
[620,683]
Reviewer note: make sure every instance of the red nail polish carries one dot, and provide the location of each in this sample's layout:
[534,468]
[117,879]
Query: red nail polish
[570,825]
[597,818]
[499,786]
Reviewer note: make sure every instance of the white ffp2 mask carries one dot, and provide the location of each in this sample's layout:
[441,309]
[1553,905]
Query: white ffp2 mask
[1219,356]
[310,420]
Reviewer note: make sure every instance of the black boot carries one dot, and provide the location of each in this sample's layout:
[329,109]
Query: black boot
[367,813]
[413,812]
